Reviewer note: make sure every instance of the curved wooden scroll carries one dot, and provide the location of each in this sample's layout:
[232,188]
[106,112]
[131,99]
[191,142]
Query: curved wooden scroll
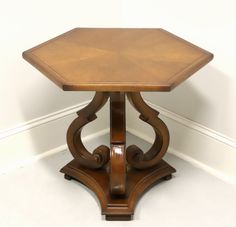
[101,154]
[117,170]
[134,155]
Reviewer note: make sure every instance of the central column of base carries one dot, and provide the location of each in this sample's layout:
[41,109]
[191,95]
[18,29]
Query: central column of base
[117,141]
[117,184]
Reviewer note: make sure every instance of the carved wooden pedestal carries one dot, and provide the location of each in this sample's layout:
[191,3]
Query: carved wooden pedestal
[118,175]
[116,62]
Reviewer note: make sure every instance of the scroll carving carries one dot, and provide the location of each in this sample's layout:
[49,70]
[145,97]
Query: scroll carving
[101,154]
[134,155]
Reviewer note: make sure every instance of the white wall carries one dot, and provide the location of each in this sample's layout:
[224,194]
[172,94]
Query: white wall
[25,93]
[200,113]
[28,99]
[208,98]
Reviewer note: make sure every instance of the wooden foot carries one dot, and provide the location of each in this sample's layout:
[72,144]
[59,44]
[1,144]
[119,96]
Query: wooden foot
[168,177]
[67,177]
[118,217]
[113,206]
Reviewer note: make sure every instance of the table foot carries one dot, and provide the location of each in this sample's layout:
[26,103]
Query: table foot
[168,177]
[118,207]
[67,177]
[118,217]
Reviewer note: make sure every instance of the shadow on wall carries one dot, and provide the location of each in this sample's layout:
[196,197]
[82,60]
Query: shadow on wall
[53,134]
[43,99]
[204,98]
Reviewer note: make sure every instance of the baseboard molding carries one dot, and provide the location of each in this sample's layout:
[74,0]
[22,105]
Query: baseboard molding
[194,125]
[42,120]
[29,160]
[194,143]
[200,165]
[43,136]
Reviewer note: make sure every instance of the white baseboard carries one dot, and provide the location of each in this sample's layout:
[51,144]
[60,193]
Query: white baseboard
[195,126]
[21,163]
[200,146]
[42,120]
[194,143]
[43,136]
[201,165]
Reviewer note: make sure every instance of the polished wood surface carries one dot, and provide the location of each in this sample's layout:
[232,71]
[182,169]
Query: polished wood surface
[108,59]
[117,140]
[135,156]
[101,155]
[117,63]
[118,176]
[138,182]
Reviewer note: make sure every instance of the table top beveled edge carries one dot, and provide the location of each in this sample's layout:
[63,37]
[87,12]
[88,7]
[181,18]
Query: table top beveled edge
[107,87]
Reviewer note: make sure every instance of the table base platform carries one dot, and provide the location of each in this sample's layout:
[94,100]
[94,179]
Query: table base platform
[118,207]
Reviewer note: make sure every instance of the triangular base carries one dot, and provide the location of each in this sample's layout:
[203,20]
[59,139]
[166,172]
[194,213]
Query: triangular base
[138,181]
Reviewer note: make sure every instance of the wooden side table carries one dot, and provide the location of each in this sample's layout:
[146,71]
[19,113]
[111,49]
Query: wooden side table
[117,63]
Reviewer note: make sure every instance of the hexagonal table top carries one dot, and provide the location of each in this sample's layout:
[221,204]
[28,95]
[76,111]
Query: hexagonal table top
[117,59]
